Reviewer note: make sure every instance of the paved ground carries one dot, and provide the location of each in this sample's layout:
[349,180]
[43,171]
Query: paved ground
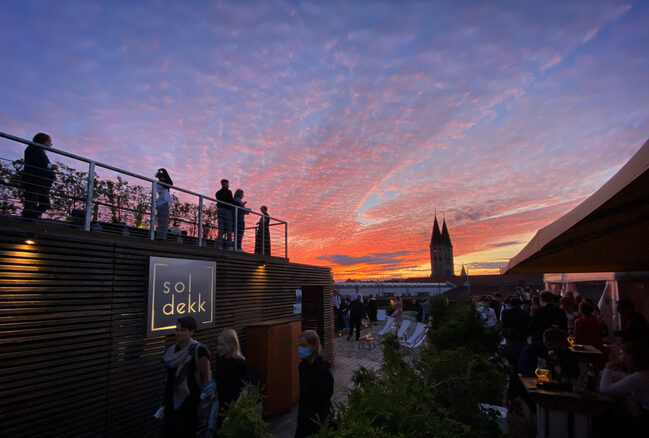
[349,356]
[368,353]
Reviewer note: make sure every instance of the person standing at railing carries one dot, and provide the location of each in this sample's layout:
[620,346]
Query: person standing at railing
[241,219]
[225,215]
[38,176]
[163,203]
[262,234]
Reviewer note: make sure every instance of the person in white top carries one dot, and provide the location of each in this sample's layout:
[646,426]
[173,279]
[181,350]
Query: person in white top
[163,203]
[628,377]
[486,312]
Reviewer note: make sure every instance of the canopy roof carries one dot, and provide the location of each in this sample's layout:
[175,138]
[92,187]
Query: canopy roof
[608,232]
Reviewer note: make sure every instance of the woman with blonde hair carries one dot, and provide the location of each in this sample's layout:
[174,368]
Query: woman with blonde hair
[316,385]
[230,373]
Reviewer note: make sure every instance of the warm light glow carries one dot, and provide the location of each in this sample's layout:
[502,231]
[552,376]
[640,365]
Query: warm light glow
[29,242]
[356,151]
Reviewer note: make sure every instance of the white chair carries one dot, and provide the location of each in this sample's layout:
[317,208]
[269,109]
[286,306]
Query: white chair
[501,415]
[419,332]
[405,323]
[388,325]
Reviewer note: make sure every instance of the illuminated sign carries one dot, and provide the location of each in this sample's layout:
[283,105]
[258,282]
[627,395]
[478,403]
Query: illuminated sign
[178,288]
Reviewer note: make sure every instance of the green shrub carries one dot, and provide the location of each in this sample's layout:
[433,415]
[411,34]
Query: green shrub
[436,394]
[242,418]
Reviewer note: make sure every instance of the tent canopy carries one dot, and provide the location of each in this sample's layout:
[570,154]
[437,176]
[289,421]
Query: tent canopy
[608,232]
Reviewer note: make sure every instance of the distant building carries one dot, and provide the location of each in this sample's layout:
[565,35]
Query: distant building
[392,288]
[441,251]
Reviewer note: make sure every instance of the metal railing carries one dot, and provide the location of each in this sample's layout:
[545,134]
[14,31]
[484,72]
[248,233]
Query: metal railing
[115,204]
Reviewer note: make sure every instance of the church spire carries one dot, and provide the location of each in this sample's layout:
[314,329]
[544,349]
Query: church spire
[463,272]
[446,238]
[436,238]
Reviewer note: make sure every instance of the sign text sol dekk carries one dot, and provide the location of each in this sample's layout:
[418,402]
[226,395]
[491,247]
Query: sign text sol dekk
[177,288]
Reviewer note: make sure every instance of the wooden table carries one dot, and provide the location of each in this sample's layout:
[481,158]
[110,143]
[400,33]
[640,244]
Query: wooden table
[564,414]
[585,353]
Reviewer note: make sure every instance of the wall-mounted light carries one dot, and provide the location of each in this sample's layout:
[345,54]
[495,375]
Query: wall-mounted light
[30,242]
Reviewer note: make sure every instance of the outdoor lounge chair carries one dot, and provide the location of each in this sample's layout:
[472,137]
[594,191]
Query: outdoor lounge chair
[388,325]
[405,323]
[420,332]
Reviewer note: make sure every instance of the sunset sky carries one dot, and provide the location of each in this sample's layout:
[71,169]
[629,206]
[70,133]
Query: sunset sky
[352,120]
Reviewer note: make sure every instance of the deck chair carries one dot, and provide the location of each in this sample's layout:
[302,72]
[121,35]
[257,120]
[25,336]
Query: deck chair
[420,330]
[388,325]
[420,340]
[405,323]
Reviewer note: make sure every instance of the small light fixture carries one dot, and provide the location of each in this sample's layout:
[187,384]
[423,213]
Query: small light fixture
[29,242]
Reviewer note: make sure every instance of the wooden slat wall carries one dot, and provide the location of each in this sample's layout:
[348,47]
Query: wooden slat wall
[74,360]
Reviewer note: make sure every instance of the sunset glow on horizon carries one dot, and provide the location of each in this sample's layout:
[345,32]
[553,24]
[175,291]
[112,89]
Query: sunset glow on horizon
[353,121]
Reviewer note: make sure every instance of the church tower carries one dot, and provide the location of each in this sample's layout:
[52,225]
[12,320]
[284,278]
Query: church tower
[441,251]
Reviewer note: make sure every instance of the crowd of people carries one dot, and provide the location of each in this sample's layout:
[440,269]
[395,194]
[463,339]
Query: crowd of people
[539,329]
[194,386]
[349,313]
[38,175]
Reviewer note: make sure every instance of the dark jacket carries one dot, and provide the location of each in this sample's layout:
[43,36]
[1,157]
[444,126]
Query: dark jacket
[225,195]
[356,309]
[514,324]
[35,168]
[316,389]
[546,317]
[230,376]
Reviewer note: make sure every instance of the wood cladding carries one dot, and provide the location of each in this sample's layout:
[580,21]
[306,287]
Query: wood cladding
[272,351]
[74,359]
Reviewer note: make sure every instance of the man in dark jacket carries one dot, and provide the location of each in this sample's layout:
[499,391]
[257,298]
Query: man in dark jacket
[38,176]
[225,216]
[356,312]
[547,316]
[514,325]
[372,308]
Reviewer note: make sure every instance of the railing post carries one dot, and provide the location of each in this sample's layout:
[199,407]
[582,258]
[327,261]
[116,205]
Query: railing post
[89,195]
[285,240]
[235,228]
[154,186]
[200,220]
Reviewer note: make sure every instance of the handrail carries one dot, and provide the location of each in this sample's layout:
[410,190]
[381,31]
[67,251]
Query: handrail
[92,164]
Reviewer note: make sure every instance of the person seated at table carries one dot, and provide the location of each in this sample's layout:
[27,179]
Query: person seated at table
[556,341]
[627,380]
[628,376]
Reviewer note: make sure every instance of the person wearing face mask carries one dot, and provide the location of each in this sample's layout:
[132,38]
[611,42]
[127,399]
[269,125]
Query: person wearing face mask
[188,370]
[316,385]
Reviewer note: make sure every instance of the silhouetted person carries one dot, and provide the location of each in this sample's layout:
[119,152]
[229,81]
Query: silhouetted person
[262,234]
[241,213]
[163,203]
[38,176]
[634,326]
[547,316]
[514,326]
[372,308]
[356,311]
[225,216]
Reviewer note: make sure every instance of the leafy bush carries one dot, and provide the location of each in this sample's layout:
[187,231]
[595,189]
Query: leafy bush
[436,394]
[242,418]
